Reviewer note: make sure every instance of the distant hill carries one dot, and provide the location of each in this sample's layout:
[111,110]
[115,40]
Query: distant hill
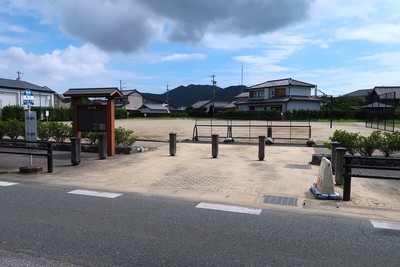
[188,95]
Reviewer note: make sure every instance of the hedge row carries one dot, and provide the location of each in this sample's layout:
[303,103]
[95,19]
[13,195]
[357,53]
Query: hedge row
[59,132]
[386,142]
[55,114]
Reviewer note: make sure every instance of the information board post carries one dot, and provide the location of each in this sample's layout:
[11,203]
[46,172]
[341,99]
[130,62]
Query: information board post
[30,120]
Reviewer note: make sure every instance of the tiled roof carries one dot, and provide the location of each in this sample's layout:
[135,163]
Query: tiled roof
[94,92]
[359,93]
[22,85]
[155,107]
[282,99]
[388,89]
[200,104]
[280,83]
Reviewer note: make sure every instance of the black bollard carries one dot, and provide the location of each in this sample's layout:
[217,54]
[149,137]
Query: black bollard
[214,143]
[340,152]
[102,146]
[172,144]
[334,145]
[75,150]
[261,147]
[269,131]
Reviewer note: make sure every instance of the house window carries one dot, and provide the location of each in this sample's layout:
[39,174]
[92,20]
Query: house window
[257,94]
[280,91]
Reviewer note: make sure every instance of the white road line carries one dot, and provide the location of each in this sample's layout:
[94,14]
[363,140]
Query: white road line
[238,209]
[386,225]
[94,193]
[7,183]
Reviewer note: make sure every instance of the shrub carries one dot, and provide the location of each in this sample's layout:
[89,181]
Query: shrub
[366,146]
[12,113]
[390,143]
[347,140]
[60,131]
[43,131]
[2,130]
[124,137]
[14,128]
[92,137]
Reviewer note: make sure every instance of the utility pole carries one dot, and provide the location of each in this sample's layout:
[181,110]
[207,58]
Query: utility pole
[120,85]
[19,75]
[213,91]
[241,88]
[167,94]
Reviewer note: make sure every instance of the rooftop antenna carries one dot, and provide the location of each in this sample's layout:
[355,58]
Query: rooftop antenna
[19,75]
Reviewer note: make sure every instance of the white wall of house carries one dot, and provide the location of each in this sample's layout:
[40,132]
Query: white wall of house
[242,108]
[8,98]
[300,91]
[135,101]
[43,99]
[298,105]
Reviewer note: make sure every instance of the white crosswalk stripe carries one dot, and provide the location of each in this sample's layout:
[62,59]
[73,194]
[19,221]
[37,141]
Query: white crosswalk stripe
[230,208]
[386,225]
[7,183]
[94,193]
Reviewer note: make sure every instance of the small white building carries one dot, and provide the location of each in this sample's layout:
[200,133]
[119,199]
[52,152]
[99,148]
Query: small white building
[11,93]
[283,95]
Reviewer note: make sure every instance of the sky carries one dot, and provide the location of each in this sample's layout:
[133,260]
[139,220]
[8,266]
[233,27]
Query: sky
[151,45]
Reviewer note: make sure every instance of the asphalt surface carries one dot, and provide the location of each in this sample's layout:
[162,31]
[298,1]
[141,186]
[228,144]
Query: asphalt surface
[52,226]
[236,177]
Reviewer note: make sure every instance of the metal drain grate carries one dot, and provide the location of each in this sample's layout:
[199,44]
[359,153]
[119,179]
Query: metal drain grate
[279,200]
[297,166]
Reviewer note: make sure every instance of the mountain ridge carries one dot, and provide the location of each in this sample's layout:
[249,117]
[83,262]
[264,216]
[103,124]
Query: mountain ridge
[184,96]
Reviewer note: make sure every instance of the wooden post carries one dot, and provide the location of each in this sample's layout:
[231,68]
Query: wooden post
[110,127]
[75,103]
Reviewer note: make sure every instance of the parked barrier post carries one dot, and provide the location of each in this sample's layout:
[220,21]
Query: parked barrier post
[334,145]
[102,146]
[50,157]
[269,131]
[261,147]
[347,181]
[214,145]
[172,144]
[75,150]
[340,153]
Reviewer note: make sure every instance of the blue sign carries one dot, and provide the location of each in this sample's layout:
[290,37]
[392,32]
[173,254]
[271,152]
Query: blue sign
[27,98]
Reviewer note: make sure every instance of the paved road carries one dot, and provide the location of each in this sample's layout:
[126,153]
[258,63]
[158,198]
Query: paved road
[59,226]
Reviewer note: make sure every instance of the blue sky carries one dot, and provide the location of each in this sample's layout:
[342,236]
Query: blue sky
[340,45]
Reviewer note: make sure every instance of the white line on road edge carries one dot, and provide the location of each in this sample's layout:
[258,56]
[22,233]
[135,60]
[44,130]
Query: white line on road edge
[7,183]
[386,225]
[212,206]
[94,193]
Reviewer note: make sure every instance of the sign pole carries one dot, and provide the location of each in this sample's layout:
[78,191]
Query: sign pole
[29,132]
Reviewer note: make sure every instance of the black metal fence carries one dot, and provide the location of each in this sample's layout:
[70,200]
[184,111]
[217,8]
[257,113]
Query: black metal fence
[33,148]
[252,129]
[380,112]
[368,167]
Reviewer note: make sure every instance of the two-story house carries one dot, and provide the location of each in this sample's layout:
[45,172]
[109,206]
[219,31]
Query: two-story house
[283,95]
[11,93]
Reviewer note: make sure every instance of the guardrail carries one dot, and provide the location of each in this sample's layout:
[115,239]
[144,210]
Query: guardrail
[368,167]
[22,147]
[252,130]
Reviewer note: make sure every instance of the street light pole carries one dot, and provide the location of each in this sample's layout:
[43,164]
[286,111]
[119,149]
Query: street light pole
[213,97]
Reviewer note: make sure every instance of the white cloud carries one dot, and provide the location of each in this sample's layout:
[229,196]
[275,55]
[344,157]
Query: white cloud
[59,64]
[130,25]
[388,59]
[184,57]
[380,33]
